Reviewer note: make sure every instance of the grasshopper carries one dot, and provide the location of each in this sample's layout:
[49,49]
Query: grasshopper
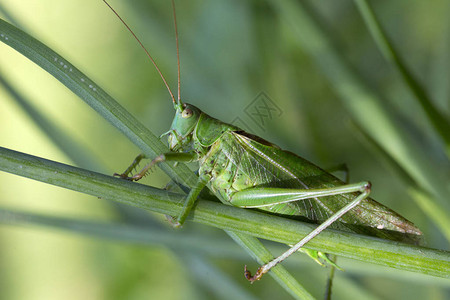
[246,171]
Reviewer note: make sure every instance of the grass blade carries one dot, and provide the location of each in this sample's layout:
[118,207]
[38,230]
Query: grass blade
[439,121]
[130,233]
[61,139]
[387,253]
[279,273]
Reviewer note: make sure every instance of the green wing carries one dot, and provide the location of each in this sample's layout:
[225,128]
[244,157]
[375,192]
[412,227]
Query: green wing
[268,165]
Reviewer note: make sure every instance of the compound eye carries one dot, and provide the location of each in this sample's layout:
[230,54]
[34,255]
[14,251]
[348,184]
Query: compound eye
[187,113]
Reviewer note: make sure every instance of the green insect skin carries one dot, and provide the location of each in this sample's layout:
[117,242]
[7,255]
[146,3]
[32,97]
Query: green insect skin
[246,171]
[232,161]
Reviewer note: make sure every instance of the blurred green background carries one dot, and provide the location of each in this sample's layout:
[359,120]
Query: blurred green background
[231,51]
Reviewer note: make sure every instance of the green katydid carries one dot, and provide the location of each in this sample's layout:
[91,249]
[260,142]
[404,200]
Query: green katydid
[247,171]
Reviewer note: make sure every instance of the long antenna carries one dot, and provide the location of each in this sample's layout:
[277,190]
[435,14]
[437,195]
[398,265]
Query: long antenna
[178,50]
[149,56]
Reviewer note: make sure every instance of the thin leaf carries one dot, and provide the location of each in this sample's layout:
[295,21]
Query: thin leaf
[387,253]
[439,121]
[61,139]
[131,233]
[208,275]
[279,273]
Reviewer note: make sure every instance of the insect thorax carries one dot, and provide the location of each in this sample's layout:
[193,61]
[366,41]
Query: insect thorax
[226,177]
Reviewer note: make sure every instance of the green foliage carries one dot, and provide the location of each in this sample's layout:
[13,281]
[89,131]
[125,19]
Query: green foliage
[230,51]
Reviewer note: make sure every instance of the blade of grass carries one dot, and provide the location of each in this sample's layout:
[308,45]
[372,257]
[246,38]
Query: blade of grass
[440,71]
[440,122]
[70,147]
[104,104]
[208,275]
[4,12]
[261,255]
[61,139]
[131,233]
[188,241]
[425,202]
[245,221]
[191,247]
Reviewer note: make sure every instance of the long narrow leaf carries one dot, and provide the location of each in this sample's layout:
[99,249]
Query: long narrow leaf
[368,249]
[132,233]
[63,141]
[278,272]
[438,120]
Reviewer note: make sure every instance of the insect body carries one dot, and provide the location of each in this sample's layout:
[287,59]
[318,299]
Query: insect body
[246,171]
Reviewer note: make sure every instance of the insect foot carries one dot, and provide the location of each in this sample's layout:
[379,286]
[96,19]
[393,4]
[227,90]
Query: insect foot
[368,187]
[317,256]
[173,222]
[259,273]
[125,176]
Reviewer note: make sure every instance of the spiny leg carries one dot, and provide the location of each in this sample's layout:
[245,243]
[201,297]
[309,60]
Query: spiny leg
[173,186]
[144,170]
[189,202]
[130,169]
[177,157]
[364,188]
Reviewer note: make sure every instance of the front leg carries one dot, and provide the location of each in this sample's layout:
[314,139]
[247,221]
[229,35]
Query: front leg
[170,156]
[189,202]
[130,169]
[177,157]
